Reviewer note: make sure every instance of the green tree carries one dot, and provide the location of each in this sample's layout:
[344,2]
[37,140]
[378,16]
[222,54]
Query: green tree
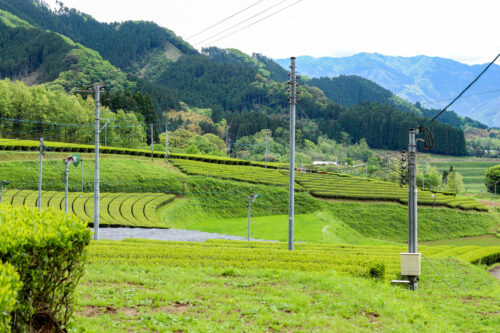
[454,183]
[492,177]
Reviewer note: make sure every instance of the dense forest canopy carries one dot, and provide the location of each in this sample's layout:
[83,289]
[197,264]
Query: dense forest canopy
[123,44]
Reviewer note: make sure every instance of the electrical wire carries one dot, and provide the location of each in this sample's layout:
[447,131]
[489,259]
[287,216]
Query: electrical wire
[240,23]
[463,91]
[224,20]
[262,19]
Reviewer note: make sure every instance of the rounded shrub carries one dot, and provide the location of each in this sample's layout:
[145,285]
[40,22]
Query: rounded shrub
[47,249]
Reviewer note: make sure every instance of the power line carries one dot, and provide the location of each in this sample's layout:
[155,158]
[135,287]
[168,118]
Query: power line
[262,19]
[463,91]
[240,23]
[470,95]
[224,20]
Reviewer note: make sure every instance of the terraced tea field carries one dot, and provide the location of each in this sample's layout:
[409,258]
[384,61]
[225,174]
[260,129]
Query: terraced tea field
[350,187]
[363,261]
[249,174]
[473,170]
[116,209]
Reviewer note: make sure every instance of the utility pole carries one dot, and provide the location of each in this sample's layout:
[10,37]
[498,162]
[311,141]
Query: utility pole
[366,170]
[166,141]
[291,187]
[387,168]
[227,140]
[341,151]
[152,143]
[97,90]
[423,175]
[2,184]
[71,159]
[97,99]
[40,172]
[106,136]
[82,174]
[412,205]
[496,195]
[267,158]
[251,199]
[67,162]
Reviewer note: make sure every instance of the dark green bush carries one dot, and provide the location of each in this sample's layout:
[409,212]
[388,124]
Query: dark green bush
[47,249]
[377,271]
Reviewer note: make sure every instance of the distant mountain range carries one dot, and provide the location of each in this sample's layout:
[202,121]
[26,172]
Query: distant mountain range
[417,79]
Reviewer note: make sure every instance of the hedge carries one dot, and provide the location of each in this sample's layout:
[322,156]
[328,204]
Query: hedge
[47,249]
[9,287]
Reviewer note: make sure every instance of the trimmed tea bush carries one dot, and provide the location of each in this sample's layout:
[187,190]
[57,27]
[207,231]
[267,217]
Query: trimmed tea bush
[47,250]
[9,287]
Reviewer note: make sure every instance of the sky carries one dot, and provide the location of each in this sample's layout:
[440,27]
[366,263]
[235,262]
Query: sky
[466,31]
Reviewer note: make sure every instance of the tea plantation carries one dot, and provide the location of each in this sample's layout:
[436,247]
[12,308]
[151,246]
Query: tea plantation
[350,232]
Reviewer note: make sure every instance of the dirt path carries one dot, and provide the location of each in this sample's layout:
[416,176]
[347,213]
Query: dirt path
[163,234]
[495,272]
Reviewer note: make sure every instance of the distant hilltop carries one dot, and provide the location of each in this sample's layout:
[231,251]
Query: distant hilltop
[418,79]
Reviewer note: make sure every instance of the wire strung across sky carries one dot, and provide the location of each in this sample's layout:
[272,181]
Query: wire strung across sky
[463,91]
[260,20]
[225,19]
[241,22]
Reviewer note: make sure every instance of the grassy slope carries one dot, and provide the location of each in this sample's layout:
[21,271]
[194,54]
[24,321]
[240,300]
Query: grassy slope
[336,222]
[117,175]
[130,296]
[221,205]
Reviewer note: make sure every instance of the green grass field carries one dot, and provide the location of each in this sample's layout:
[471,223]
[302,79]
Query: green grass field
[202,287]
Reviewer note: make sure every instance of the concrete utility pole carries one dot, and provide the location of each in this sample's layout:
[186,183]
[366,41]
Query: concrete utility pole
[40,172]
[152,142]
[228,148]
[166,141]
[67,162]
[267,157]
[82,174]
[2,184]
[423,175]
[291,187]
[341,151]
[97,90]
[250,199]
[412,203]
[496,182]
[387,168]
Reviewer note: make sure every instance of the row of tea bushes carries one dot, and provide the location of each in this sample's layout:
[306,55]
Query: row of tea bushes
[116,209]
[357,188]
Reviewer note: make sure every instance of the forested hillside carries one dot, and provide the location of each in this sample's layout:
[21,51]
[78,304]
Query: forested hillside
[150,72]
[418,79]
[126,45]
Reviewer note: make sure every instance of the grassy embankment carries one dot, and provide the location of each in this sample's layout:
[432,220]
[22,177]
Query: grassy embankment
[217,205]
